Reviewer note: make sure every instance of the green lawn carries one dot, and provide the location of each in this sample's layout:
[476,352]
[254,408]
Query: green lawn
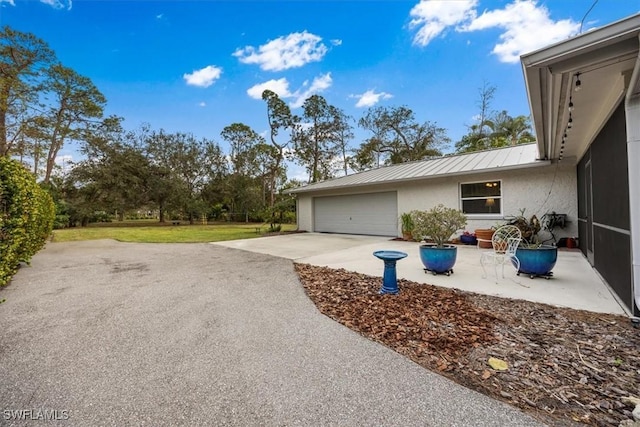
[148,233]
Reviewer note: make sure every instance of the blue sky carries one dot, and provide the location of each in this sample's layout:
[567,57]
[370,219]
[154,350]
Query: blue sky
[197,66]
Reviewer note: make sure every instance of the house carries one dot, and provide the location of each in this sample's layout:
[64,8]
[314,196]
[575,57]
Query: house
[584,95]
[486,185]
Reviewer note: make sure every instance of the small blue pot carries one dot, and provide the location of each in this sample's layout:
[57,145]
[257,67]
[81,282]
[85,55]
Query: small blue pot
[438,260]
[468,239]
[537,261]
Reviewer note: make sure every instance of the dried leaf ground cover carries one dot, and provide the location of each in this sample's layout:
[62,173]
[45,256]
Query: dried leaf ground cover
[564,366]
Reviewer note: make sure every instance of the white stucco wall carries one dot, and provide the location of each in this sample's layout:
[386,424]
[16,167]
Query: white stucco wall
[530,189]
[304,212]
[537,190]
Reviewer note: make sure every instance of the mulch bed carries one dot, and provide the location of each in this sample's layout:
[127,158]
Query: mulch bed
[564,366]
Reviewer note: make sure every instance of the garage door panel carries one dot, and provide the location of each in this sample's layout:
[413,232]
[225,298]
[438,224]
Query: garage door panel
[373,214]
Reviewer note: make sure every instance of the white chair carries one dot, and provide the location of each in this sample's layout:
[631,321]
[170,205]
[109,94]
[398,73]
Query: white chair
[505,242]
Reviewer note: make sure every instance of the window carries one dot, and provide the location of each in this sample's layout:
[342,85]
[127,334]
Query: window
[481,197]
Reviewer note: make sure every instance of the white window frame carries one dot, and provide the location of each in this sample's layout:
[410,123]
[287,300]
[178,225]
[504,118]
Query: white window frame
[482,214]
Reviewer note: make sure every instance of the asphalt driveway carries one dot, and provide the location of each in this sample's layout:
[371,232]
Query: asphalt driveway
[109,333]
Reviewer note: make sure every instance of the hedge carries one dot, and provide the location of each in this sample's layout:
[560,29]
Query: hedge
[26,217]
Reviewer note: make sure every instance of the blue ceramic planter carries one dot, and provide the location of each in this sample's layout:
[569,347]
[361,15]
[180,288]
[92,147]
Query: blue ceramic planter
[537,261]
[468,239]
[438,260]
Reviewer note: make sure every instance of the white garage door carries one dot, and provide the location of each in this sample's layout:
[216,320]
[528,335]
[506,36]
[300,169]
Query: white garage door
[375,214]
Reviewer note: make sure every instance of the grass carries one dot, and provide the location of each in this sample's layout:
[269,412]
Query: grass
[156,233]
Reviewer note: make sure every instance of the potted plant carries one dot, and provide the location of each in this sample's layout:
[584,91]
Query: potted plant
[536,259]
[407,226]
[438,225]
[483,237]
[468,238]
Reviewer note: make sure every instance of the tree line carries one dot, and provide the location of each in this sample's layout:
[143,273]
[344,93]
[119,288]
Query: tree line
[44,105]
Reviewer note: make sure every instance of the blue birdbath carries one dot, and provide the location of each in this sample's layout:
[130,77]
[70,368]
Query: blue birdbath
[389,280]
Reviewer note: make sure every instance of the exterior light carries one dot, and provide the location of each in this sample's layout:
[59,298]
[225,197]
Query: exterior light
[570,104]
[578,82]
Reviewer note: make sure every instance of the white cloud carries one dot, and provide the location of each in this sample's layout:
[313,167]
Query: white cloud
[11,2]
[64,159]
[336,42]
[292,51]
[58,4]
[319,84]
[370,98]
[432,17]
[202,104]
[280,87]
[204,77]
[526,25]
[297,98]
[160,16]
[64,162]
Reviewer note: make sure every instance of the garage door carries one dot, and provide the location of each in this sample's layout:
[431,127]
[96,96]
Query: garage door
[374,214]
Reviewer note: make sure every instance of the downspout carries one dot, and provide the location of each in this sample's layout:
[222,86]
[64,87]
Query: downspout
[632,112]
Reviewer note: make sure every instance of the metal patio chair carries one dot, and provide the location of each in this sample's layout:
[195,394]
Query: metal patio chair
[505,242]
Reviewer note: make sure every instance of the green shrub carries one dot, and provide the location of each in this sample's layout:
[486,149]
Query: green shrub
[61,221]
[275,228]
[102,216]
[27,213]
[289,217]
[438,224]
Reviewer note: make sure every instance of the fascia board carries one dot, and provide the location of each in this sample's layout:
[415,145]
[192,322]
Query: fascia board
[595,39]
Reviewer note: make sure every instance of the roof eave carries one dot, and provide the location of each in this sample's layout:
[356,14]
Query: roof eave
[537,163]
[543,71]
[591,40]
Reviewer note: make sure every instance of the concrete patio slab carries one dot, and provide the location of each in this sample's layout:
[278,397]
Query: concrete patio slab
[575,283]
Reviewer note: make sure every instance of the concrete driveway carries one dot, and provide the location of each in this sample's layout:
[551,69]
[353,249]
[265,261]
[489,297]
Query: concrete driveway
[108,333]
[575,283]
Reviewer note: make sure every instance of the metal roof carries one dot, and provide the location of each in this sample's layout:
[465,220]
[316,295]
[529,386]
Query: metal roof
[517,157]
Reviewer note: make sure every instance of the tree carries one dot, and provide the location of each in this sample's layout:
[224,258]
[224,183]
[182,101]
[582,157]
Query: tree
[242,141]
[487,93]
[502,130]
[315,138]
[249,160]
[478,136]
[509,131]
[397,137]
[280,119]
[116,173]
[23,61]
[344,134]
[184,165]
[73,113]
[271,170]
[31,143]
